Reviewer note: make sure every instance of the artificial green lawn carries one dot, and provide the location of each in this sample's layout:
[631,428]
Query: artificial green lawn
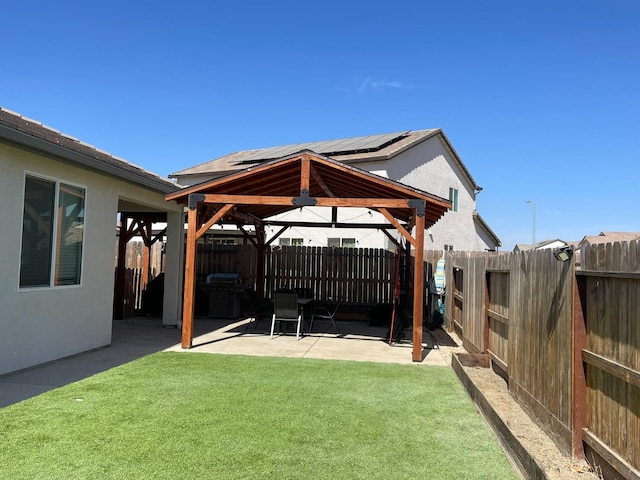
[203,416]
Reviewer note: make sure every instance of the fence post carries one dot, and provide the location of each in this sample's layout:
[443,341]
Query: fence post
[485,319]
[579,383]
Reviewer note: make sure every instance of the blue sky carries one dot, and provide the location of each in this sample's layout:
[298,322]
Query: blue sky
[540,99]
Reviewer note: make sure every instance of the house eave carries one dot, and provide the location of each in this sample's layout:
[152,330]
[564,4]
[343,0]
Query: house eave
[21,139]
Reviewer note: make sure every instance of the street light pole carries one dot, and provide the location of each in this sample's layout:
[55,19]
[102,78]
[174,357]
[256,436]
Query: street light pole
[533,204]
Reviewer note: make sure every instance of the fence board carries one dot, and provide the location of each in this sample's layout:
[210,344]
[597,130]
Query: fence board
[498,316]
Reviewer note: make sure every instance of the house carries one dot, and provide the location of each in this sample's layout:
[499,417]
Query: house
[423,159]
[546,244]
[61,202]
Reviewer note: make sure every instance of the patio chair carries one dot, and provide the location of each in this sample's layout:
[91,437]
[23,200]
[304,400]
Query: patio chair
[256,310]
[323,312]
[286,310]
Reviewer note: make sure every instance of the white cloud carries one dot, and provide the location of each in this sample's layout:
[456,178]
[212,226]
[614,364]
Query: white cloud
[370,84]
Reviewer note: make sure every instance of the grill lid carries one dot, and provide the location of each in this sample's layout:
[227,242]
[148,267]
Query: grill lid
[223,278]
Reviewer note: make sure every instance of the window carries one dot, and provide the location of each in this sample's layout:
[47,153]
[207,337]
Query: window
[349,242]
[52,233]
[453,196]
[341,242]
[286,242]
[224,241]
[448,248]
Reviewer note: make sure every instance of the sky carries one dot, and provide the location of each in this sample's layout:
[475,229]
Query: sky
[541,100]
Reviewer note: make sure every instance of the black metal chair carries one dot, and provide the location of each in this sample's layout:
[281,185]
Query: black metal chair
[256,310]
[286,310]
[323,312]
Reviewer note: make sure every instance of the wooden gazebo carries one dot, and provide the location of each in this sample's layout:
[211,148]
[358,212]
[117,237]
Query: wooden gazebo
[304,179]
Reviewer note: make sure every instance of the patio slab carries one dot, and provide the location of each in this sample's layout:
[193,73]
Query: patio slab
[136,337]
[358,342]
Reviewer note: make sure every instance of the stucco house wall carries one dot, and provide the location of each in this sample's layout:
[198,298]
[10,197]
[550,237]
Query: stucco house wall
[431,167]
[46,323]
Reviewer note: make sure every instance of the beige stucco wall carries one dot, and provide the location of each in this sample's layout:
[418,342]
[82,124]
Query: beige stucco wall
[430,167]
[43,324]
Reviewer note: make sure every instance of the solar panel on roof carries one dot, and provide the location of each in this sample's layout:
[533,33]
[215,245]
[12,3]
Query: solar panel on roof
[342,146]
[339,145]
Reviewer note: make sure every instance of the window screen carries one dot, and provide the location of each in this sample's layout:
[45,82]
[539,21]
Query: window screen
[70,232]
[453,196]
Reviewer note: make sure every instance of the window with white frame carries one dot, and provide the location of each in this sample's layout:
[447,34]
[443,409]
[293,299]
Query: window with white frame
[448,248]
[341,242]
[295,242]
[453,196]
[52,233]
[349,243]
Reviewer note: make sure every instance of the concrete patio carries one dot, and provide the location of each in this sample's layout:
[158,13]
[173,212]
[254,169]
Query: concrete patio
[139,336]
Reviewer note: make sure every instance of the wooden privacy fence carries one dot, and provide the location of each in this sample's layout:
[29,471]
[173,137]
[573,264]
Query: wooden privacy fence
[353,275]
[566,337]
[132,297]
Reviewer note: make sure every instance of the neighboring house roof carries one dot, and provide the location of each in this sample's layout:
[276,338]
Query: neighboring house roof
[554,243]
[610,237]
[522,247]
[353,150]
[550,244]
[620,236]
[485,227]
[602,238]
[25,132]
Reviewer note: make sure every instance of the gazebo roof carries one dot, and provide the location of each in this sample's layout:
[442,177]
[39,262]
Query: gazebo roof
[327,183]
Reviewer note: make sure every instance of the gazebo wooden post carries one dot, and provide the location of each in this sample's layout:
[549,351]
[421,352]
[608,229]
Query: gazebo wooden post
[194,231]
[188,309]
[260,262]
[121,268]
[418,289]
[146,227]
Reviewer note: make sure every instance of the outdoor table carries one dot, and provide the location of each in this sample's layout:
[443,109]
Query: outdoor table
[303,302]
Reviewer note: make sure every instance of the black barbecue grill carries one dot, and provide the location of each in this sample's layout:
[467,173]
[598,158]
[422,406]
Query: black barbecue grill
[225,295]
